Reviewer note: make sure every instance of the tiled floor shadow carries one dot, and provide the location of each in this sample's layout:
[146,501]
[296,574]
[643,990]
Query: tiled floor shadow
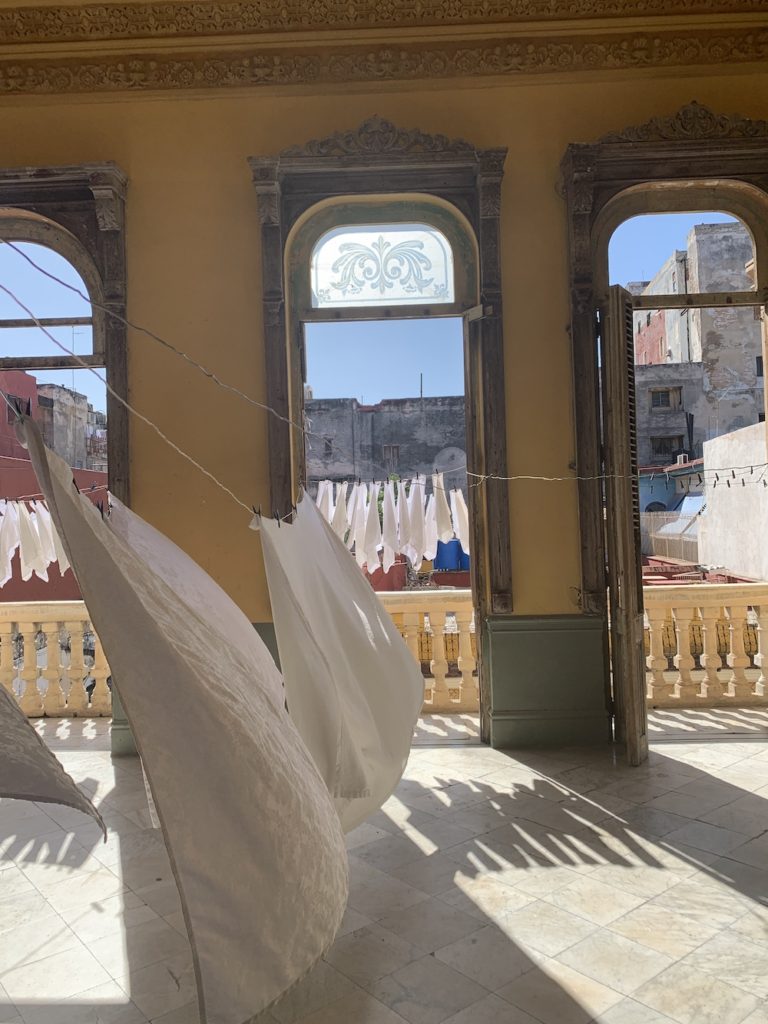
[512,889]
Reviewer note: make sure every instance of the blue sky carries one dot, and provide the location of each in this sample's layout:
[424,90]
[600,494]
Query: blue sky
[364,360]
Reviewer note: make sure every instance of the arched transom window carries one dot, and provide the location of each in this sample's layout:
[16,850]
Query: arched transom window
[382,264]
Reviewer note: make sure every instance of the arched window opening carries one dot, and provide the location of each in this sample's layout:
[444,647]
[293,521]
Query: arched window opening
[382,264]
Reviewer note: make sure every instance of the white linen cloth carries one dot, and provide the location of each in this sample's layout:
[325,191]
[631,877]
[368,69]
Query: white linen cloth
[430,530]
[325,499]
[9,539]
[28,769]
[30,549]
[417,539]
[339,522]
[389,531]
[357,530]
[252,833]
[461,520]
[372,541]
[442,511]
[45,532]
[353,688]
[404,523]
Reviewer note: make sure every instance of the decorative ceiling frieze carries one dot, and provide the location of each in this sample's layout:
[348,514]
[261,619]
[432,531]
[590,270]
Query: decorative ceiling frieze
[324,65]
[113,21]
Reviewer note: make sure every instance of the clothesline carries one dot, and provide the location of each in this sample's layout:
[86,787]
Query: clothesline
[31,532]
[410,522]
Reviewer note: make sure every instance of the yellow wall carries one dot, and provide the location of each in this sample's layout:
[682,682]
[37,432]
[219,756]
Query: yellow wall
[194,277]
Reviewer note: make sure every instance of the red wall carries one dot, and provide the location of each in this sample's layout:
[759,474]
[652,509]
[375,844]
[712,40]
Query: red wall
[651,341]
[17,479]
[21,385]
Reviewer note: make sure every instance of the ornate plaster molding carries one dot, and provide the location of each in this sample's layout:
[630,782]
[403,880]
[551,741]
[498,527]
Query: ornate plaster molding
[111,21]
[378,137]
[692,122]
[533,55]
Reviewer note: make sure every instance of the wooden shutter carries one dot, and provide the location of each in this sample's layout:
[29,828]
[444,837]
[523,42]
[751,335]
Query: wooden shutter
[622,523]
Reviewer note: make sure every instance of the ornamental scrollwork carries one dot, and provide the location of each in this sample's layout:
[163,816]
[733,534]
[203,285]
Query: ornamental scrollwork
[692,122]
[519,56]
[382,267]
[377,136]
[153,20]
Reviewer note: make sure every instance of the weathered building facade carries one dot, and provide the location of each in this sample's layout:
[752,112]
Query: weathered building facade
[396,437]
[699,372]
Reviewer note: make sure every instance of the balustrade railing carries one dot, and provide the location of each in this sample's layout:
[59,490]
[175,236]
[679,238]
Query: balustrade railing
[51,660]
[438,627]
[706,644]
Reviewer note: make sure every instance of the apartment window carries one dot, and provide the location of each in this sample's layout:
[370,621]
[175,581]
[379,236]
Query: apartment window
[328,447]
[17,403]
[666,398]
[759,366]
[647,319]
[390,454]
[666,447]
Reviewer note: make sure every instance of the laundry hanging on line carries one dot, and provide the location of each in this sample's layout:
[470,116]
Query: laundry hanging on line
[373,520]
[27,527]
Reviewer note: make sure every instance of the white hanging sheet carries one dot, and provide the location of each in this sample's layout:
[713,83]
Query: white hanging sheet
[461,520]
[389,532]
[28,769]
[442,511]
[372,529]
[352,686]
[9,539]
[339,522]
[252,833]
[417,539]
[430,530]
[404,523]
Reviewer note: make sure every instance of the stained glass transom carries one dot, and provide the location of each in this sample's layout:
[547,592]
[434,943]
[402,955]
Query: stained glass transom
[382,265]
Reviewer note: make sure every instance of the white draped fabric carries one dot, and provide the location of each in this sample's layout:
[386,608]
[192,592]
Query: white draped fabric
[252,832]
[352,686]
[28,769]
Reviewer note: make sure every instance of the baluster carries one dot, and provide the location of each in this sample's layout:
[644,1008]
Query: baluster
[711,687]
[53,701]
[469,694]
[738,659]
[761,658]
[7,672]
[77,702]
[30,703]
[688,689]
[412,623]
[658,688]
[101,698]
[439,666]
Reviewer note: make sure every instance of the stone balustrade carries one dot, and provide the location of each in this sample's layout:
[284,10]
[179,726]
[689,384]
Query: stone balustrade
[438,627]
[51,660]
[706,644]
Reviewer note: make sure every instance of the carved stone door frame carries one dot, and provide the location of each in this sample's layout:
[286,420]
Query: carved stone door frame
[380,159]
[79,212]
[693,160]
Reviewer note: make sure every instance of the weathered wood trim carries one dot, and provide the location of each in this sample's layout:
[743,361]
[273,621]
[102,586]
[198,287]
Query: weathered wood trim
[80,212]
[380,159]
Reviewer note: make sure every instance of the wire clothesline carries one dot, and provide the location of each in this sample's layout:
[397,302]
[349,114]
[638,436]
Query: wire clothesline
[479,478]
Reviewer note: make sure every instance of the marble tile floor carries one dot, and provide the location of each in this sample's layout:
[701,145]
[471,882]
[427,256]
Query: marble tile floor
[554,887]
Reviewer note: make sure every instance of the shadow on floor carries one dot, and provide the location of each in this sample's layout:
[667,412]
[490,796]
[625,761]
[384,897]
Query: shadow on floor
[492,888]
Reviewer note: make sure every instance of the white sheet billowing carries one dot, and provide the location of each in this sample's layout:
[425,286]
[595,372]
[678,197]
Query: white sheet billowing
[28,769]
[353,688]
[252,833]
